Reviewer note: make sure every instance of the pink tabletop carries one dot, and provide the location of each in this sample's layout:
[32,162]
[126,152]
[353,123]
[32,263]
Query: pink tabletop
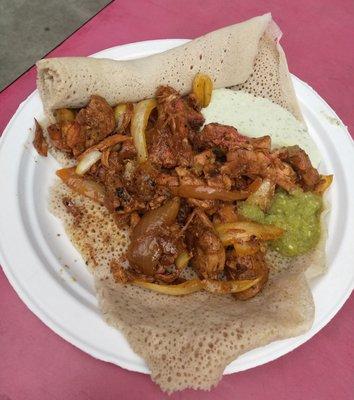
[35,363]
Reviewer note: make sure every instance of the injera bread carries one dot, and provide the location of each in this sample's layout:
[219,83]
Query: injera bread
[186,342]
[246,54]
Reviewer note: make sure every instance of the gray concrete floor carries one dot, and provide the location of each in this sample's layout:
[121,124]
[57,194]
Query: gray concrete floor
[31,28]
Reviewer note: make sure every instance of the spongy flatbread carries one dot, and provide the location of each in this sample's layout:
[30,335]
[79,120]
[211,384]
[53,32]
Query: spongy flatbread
[186,342]
[228,55]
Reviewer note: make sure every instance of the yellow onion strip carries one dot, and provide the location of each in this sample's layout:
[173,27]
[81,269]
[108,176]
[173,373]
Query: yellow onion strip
[123,113]
[323,184]
[228,238]
[202,89]
[105,143]
[87,162]
[225,287]
[181,289]
[196,285]
[81,185]
[142,111]
[262,197]
[245,248]
[241,230]
[105,157]
[64,115]
[182,260]
[208,193]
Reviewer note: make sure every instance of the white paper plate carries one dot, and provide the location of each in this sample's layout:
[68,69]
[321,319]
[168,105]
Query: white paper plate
[34,257]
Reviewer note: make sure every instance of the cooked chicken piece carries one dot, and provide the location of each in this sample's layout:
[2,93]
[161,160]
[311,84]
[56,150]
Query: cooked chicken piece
[300,162]
[130,188]
[168,144]
[184,113]
[261,143]
[161,194]
[249,267]
[206,163]
[67,136]
[118,199]
[166,179]
[260,163]
[39,141]
[127,151]
[142,185]
[208,206]
[167,150]
[91,125]
[187,177]
[97,120]
[204,159]
[204,243]
[222,181]
[223,137]
[56,137]
[195,117]
[74,137]
[283,175]
[184,213]
[246,162]
[227,138]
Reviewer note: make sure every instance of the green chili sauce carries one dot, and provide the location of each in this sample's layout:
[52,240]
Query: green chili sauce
[297,213]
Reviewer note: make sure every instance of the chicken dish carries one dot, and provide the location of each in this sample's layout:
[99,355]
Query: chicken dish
[203,202]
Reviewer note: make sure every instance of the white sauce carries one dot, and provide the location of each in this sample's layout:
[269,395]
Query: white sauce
[255,116]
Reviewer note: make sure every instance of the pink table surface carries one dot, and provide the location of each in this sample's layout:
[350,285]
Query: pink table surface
[35,363]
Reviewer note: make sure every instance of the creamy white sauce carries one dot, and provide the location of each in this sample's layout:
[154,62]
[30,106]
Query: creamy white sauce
[255,116]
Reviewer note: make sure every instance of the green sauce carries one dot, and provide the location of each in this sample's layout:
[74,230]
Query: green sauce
[298,214]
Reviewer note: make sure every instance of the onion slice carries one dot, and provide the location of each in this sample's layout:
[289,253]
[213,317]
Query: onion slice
[105,143]
[142,111]
[87,162]
[81,185]
[195,285]
[244,230]
[180,289]
[182,260]
[225,287]
[202,89]
[208,193]
[323,184]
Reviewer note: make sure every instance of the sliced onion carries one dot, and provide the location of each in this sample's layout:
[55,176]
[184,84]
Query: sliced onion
[262,197]
[224,287]
[195,285]
[123,113]
[81,185]
[202,89]
[182,260]
[246,248]
[208,193]
[323,184]
[230,237]
[109,141]
[180,289]
[87,162]
[241,230]
[142,111]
